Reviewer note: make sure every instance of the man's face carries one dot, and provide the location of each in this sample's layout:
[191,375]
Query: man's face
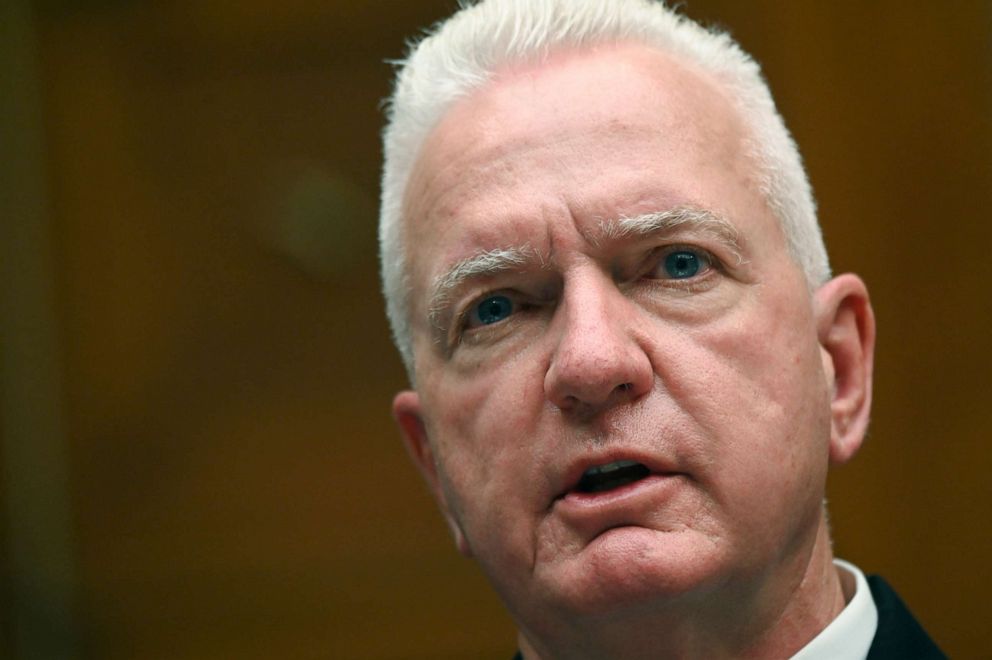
[597,282]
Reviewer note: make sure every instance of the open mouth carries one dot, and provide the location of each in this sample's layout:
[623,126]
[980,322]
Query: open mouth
[606,477]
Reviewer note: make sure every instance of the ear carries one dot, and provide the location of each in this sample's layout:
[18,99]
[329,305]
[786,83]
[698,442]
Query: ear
[408,415]
[845,327]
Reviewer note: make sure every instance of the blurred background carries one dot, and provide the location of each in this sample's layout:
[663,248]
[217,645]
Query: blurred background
[197,458]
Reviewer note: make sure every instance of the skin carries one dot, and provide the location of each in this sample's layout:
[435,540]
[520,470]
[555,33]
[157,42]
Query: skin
[737,386]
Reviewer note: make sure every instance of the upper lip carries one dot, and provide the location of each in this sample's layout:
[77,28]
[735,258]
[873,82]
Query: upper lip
[571,476]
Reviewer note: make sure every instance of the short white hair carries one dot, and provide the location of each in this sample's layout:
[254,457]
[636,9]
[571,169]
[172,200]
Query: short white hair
[462,54]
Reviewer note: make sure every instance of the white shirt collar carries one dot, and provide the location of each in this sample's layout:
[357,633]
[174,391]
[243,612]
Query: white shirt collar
[848,637]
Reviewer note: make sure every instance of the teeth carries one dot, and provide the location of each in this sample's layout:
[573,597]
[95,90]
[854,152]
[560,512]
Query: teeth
[612,475]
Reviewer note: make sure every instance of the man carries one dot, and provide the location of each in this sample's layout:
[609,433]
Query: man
[631,366]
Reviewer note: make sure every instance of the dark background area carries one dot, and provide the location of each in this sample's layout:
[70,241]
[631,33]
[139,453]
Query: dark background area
[197,456]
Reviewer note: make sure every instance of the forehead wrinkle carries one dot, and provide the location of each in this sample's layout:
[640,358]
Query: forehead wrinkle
[660,222]
[482,264]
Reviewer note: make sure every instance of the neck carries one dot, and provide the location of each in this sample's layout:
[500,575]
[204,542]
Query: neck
[772,616]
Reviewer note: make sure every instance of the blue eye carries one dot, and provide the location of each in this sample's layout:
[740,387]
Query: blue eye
[683,264]
[491,310]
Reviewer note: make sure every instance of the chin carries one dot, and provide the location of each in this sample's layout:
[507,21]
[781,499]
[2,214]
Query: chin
[632,567]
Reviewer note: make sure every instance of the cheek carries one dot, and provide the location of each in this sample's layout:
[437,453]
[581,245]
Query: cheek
[491,409]
[490,441]
[756,388]
[763,430]
[771,342]
[489,457]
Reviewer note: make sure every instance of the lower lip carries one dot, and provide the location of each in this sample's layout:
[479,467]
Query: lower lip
[628,493]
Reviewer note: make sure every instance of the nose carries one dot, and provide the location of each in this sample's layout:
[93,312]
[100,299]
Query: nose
[599,360]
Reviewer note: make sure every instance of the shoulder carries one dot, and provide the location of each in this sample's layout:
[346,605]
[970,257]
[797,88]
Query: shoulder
[899,635]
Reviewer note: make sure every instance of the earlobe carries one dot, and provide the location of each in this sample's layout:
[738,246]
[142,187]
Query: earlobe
[408,415]
[845,327]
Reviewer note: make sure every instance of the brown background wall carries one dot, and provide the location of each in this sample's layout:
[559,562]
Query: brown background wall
[211,361]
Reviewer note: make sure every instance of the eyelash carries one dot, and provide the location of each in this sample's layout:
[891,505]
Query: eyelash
[710,264]
[461,324]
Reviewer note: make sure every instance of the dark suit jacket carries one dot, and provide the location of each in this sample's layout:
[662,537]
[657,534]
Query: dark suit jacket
[899,636]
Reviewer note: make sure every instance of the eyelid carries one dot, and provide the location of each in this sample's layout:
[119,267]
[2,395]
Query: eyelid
[655,260]
[473,309]
[464,311]
[524,303]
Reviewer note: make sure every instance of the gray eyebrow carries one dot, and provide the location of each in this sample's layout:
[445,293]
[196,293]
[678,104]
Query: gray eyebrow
[488,263]
[502,260]
[690,217]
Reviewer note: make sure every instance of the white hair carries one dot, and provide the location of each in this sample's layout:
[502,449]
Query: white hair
[461,54]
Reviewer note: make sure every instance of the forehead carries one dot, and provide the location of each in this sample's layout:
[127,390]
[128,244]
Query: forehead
[583,137]
[607,80]
[613,92]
